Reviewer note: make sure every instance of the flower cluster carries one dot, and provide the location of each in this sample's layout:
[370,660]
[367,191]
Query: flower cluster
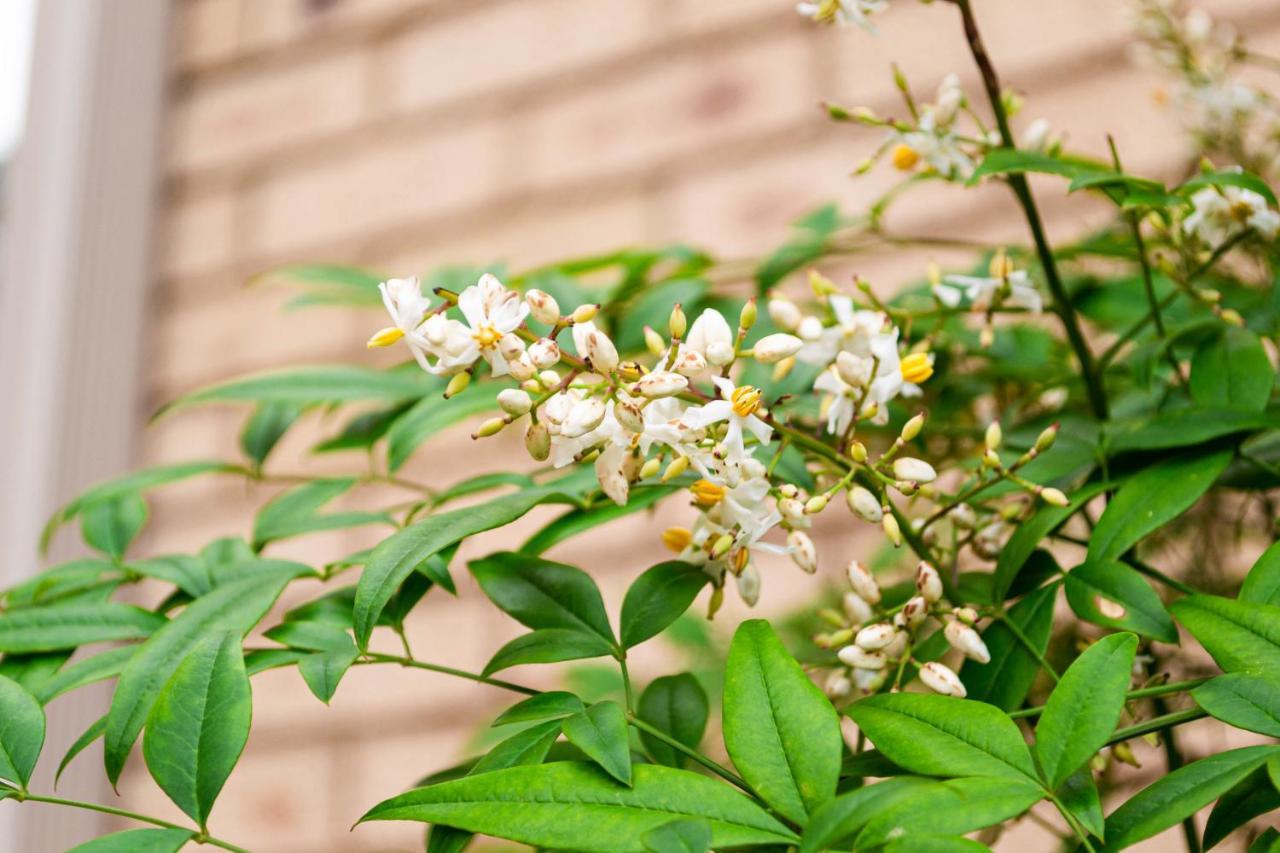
[843,12]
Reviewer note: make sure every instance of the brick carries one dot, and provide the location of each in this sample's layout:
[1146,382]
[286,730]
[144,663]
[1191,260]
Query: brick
[698,16]
[674,107]
[235,118]
[369,186]
[501,44]
[270,25]
[198,235]
[205,32]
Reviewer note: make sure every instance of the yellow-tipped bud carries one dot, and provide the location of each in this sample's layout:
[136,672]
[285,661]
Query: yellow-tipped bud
[904,157]
[1231,317]
[493,426]
[677,467]
[858,451]
[653,341]
[585,313]
[676,539]
[991,459]
[1046,438]
[706,494]
[1123,753]
[650,467]
[783,368]
[630,370]
[385,337]
[994,436]
[747,317]
[1054,497]
[815,504]
[917,367]
[913,426]
[1000,266]
[891,529]
[457,384]
[678,324]
[537,440]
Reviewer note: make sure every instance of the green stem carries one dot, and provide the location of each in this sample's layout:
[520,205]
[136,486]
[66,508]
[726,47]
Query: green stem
[1141,693]
[626,683]
[448,670]
[1022,191]
[196,835]
[1155,724]
[715,767]
[1026,642]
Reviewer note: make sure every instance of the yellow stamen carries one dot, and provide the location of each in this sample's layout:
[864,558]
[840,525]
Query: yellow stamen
[487,337]
[746,400]
[1001,266]
[917,367]
[676,539]
[706,494]
[738,560]
[1240,212]
[385,337]
[904,157]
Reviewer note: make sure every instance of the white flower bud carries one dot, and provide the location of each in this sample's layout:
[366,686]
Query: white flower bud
[1054,497]
[863,504]
[940,679]
[720,353]
[869,680]
[913,613]
[859,658]
[537,440]
[994,436]
[510,346]
[928,582]
[963,516]
[661,384]
[629,415]
[585,416]
[773,348]
[967,615]
[513,401]
[815,504]
[792,510]
[854,369]
[914,470]
[749,585]
[548,379]
[1036,136]
[784,314]
[875,637]
[803,553]
[650,468]
[689,363]
[521,368]
[966,640]
[913,426]
[810,329]
[856,608]
[543,306]
[891,529]
[863,582]
[897,646]
[544,353]
[653,341]
[837,685]
[595,346]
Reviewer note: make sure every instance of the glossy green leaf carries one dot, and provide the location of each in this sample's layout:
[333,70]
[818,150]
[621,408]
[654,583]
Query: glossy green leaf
[199,725]
[90,670]
[1005,161]
[944,736]
[1252,796]
[1152,498]
[954,807]
[1186,427]
[1249,701]
[780,730]
[528,746]
[659,597]
[579,520]
[1241,636]
[549,645]
[541,594]
[1181,793]
[1232,371]
[927,842]
[96,730]
[42,629]
[322,671]
[187,573]
[1079,797]
[1267,842]
[431,415]
[111,525]
[1115,596]
[265,427]
[1262,584]
[834,824]
[1006,680]
[296,511]
[318,385]
[137,841]
[601,733]
[1084,707]
[688,835]
[57,585]
[544,706]
[21,732]
[234,608]
[574,805]
[677,706]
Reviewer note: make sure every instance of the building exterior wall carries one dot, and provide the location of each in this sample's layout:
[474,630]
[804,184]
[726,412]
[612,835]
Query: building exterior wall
[403,134]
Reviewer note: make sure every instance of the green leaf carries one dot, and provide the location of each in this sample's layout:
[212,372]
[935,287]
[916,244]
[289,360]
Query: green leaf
[927,842]
[234,608]
[1240,636]
[96,730]
[579,520]
[944,736]
[314,386]
[1152,498]
[953,807]
[21,732]
[322,671]
[677,706]
[43,629]
[295,512]
[1232,371]
[137,841]
[1267,842]
[1229,178]
[833,824]
[1006,161]
[578,806]
[1186,427]
[111,525]
[431,415]
[528,746]
[64,582]
[549,645]
[264,429]
[601,732]
[1182,793]
[780,730]
[398,555]
[688,835]
[200,725]
[544,706]
[328,284]
[1252,796]
[1006,680]
[1025,540]
[1079,797]
[1084,707]
[1262,584]
[659,597]
[1246,701]
[91,670]
[187,573]
[1115,596]
[541,594]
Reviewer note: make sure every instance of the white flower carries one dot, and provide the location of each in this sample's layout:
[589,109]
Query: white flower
[784,314]
[856,608]
[935,145]
[450,342]
[980,291]
[895,375]
[1220,213]
[950,100]
[940,679]
[914,470]
[595,346]
[405,303]
[543,305]
[774,348]
[1036,136]
[843,12]
[967,641]
[491,311]
[711,338]
[875,637]
[737,409]
[852,332]
[839,407]
[661,384]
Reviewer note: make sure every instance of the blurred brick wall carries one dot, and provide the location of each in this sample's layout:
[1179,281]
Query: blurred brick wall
[402,134]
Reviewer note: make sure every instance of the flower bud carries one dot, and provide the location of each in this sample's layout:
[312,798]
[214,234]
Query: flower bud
[994,436]
[629,415]
[891,529]
[966,640]
[863,582]
[548,379]
[521,368]
[803,552]
[837,686]
[653,341]
[773,348]
[543,306]
[510,346]
[585,416]
[1045,440]
[815,504]
[515,402]
[963,516]
[914,470]
[967,615]
[720,353]
[810,329]
[821,285]
[991,459]
[537,440]
[791,510]
[749,585]
[940,679]
[677,539]
[714,602]
[600,351]
[677,467]
[858,451]
[913,613]
[650,468]
[928,582]
[875,637]
[870,680]
[859,658]
[863,504]
[912,427]
[856,608]
[853,369]
[689,363]
[493,426]
[457,384]
[585,313]
[678,324]
[661,383]
[783,369]
[1231,317]
[747,317]
[544,353]
[784,314]
[1054,497]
